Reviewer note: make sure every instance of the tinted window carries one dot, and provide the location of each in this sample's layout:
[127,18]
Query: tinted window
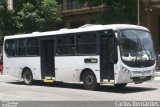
[21,47]
[86,49]
[86,43]
[65,44]
[65,39]
[32,46]
[10,47]
[86,38]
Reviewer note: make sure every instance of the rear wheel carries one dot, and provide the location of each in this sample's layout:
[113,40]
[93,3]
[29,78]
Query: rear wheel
[27,77]
[120,85]
[89,80]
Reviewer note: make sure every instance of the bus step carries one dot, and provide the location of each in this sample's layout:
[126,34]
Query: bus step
[48,80]
[106,82]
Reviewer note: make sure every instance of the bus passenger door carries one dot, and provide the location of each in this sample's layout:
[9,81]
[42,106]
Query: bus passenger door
[107,57]
[47,58]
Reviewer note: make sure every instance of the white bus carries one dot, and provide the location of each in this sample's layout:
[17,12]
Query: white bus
[95,54]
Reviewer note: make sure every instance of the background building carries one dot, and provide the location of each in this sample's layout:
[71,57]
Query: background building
[76,14]
[151,20]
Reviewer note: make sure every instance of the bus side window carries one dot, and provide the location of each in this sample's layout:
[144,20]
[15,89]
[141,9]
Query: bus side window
[65,44]
[10,47]
[32,46]
[86,43]
[21,47]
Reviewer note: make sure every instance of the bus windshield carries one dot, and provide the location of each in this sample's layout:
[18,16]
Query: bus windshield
[136,48]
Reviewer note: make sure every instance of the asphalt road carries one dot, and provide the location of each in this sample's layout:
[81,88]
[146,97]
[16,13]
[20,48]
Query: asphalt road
[11,90]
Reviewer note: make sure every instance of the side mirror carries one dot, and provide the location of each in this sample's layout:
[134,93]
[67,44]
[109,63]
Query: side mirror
[115,54]
[117,43]
[116,33]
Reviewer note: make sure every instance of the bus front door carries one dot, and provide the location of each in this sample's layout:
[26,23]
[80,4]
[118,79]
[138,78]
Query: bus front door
[47,58]
[106,57]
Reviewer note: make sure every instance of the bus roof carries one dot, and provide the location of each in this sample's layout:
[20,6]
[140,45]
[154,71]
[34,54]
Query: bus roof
[85,28]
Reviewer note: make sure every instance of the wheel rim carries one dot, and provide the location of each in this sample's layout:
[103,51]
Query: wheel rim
[89,80]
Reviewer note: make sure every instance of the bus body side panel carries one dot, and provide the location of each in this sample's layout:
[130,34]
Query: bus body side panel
[14,66]
[69,68]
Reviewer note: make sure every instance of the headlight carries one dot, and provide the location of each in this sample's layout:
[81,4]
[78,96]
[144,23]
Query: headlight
[125,70]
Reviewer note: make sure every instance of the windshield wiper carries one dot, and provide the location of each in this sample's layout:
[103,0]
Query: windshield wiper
[144,49]
[138,50]
[141,48]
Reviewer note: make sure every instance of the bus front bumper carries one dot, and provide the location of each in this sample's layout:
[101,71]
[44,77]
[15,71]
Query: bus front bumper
[125,77]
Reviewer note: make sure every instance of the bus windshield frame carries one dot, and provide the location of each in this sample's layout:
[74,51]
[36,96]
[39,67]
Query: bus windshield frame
[136,48]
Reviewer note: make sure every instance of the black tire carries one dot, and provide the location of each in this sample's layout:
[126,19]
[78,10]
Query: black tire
[27,77]
[89,81]
[120,85]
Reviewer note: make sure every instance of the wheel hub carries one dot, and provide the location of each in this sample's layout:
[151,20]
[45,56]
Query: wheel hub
[28,76]
[89,79]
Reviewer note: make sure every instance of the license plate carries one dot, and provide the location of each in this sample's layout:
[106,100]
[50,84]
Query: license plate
[142,77]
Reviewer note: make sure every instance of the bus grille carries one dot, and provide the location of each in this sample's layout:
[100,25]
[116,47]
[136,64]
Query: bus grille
[138,79]
[142,72]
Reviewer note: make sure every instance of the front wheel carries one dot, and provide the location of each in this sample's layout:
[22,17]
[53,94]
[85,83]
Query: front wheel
[120,85]
[27,77]
[89,81]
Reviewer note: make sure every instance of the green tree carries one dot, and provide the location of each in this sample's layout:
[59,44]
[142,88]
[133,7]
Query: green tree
[42,17]
[29,16]
[50,12]
[117,11]
[6,22]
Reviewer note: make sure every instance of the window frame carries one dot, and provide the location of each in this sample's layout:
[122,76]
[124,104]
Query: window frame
[65,44]
[94,43]
[38,47]
[16,48]
[75,44]
[6,53]
[25,47]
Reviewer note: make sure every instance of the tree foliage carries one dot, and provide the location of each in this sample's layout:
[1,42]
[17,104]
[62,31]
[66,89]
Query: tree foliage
[50,13]
[6,21]
[29,16]
[117,11]
[27,19]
